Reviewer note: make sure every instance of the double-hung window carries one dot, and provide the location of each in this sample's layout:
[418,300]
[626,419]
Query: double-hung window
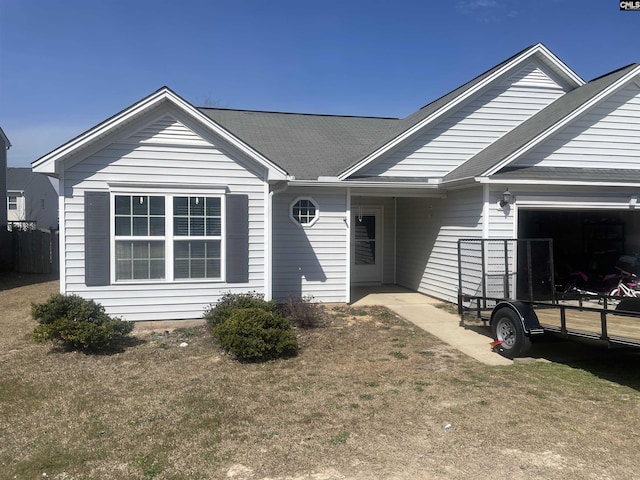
[197,237]
[140,237]
[172,237]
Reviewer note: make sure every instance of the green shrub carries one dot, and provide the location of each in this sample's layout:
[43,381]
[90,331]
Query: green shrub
[303,312]
[76,323]
[220,311]
[255,334]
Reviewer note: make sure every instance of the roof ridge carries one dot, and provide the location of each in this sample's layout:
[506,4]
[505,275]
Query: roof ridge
[461,87]
[532,128]
[241,110]
[633,64]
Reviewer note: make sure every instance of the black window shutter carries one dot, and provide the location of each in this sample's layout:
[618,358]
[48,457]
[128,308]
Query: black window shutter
[96,239]
[237,219]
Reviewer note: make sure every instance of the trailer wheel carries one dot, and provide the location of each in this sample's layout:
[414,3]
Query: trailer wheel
[507,328]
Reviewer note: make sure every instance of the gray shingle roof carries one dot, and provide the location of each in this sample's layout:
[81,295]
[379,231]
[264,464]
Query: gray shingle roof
[23,178]
[306,146]
[534,126]
[569,174]
[309,146]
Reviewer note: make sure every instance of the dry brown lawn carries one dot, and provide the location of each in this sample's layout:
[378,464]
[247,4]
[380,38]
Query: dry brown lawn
[369,397]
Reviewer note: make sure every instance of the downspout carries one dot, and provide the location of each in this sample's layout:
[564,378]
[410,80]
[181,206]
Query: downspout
[62,234]
[486,190]
[347,220]
[268,294]
[395,240]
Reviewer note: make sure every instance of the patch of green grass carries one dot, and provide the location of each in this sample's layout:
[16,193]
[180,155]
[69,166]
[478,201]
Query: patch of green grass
[311,418]
[340,439]
[383,314]
[399,355]
[150,466]
[48,456]
[537,393]
[426,353]
[451,308]
[97,427]
[420,385]
[188,332]
[15,391]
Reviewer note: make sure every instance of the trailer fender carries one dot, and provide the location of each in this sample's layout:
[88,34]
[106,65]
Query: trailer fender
[524,312]
[512,324]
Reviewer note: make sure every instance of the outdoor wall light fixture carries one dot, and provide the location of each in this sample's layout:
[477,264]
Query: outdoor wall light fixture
[506,198]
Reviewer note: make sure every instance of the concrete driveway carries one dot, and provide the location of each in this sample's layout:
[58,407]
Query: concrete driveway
[421,311]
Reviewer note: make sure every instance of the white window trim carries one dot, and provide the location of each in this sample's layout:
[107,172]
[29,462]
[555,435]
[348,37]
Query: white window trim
[295,221]
[167,192]
[15,202]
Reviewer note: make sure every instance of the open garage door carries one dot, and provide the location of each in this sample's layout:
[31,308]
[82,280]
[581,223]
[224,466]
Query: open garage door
[589,241]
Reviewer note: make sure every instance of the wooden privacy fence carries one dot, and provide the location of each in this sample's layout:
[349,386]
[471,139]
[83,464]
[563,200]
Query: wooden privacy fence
[31,251]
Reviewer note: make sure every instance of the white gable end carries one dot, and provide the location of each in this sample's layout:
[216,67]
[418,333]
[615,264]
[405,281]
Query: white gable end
[472,127]
[164,151]
[607,136]
[167,130]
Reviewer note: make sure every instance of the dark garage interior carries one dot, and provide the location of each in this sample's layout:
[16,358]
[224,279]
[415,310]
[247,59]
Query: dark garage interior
[588,241]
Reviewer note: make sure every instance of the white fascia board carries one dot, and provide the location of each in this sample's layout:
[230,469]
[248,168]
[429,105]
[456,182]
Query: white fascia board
[356,184]
[49,164]
[584,203]
[425,190]
[570,76]
[563,122]
[275,172]
[4,137]
[570,183]
[537,49]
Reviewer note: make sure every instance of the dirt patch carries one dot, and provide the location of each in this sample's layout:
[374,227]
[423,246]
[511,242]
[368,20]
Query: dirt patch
[369,396]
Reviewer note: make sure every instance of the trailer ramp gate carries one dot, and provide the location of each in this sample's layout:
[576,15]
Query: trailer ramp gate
[505,269]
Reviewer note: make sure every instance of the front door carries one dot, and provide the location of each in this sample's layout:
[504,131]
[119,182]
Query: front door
[366,245]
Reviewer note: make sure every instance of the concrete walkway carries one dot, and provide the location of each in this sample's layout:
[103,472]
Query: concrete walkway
[422,312]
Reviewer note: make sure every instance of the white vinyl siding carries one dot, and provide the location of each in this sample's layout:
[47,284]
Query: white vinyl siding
[471,127]
[311,260]
[607,136]
[427,237]
[167,151]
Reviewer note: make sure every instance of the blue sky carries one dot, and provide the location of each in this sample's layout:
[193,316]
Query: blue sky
[67,65]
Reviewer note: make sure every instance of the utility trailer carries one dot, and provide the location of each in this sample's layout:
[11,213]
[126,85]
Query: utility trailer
[510,284]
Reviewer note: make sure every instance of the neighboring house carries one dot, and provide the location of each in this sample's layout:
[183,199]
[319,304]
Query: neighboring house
[5,144]
[32,200]
[166,206]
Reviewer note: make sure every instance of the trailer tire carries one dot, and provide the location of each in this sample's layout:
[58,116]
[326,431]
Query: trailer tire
[507,328]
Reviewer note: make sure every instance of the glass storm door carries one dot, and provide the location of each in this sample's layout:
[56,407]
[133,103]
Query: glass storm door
[366,246]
